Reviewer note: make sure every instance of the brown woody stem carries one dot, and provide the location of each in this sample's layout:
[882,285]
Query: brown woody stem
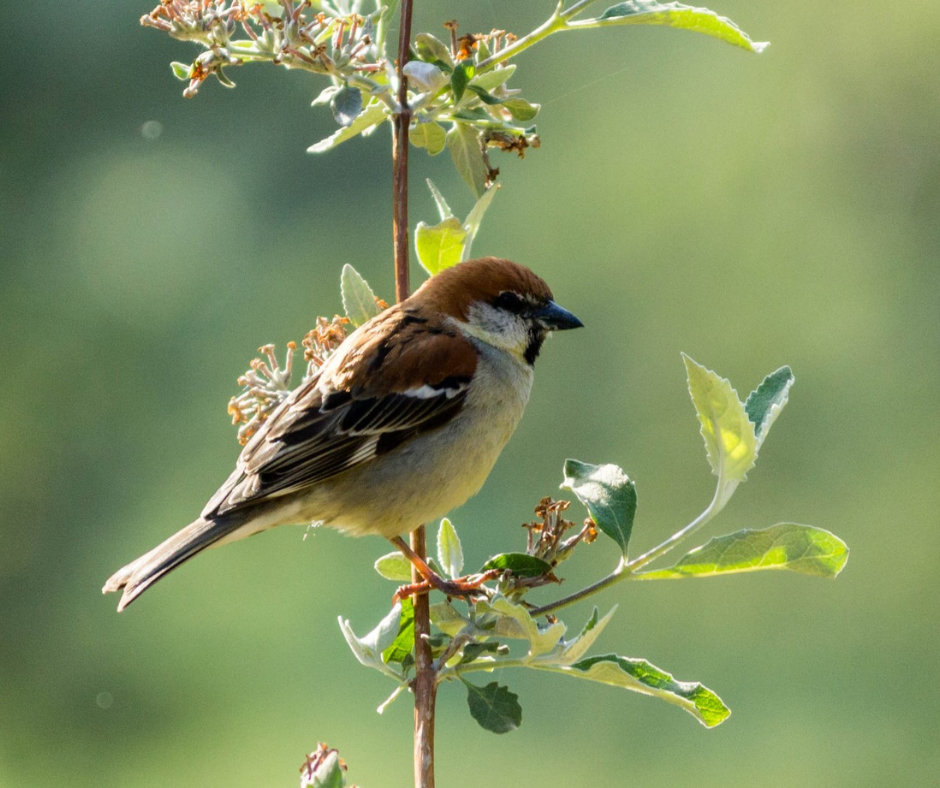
[425,682]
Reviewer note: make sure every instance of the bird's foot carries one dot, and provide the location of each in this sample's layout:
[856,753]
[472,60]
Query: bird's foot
[464,587]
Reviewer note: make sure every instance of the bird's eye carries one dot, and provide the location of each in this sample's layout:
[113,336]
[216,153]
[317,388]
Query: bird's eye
[510,302]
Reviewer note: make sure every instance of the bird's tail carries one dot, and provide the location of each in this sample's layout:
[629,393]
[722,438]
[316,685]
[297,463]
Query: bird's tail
[139,575]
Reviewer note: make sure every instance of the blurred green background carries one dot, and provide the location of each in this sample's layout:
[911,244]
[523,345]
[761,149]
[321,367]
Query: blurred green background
[751,211]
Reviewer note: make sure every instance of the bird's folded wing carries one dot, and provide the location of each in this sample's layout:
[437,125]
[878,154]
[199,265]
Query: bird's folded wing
[338,421]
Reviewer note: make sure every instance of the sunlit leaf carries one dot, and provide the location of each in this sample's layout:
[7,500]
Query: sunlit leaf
[466,149]
[609,495]
[495,707]
[490,80]
[394,566]
[325,96]
[441,246]
[358,298]
[572,651]
[430,136]
[649,12]
[514,621]
[797,548]
[449,551]
[640,676]
[182,71]
[367,120]
[729,436]
[442,207]
[475,218]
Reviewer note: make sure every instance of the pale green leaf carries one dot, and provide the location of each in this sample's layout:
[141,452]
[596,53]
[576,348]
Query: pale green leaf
[495,707]
[609,496]
[649,12]
[460,77]
[439,247]
[638,675]
[442,207]
[449,551]
[358,298]
[424,76]
[394,566]
[572,651]
[729,435]
[430,136]
[490,80]
[367,120]
[514,621]
[797,548]
[475,218]
[182,71]
[466,149]
[447,618]
[764,404]
[368,649]
[325,96]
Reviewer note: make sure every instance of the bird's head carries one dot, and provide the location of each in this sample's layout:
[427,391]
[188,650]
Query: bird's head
[500,303]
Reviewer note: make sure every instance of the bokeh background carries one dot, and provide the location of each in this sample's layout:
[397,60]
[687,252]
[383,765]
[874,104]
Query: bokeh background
[751,211]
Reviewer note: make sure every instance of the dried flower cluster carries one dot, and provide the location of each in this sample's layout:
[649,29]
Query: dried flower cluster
[266,384]
[546,536]
[286,33]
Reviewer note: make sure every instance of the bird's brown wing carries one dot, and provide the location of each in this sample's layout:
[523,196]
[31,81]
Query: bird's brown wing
[367,400]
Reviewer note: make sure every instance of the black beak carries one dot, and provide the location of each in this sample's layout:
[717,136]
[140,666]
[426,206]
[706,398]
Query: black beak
[556,318]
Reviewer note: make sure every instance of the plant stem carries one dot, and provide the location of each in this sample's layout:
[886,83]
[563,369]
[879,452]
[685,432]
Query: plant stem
[628,569]
[425,682]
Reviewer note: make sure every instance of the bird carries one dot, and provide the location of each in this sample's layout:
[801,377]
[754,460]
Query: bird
[402,423]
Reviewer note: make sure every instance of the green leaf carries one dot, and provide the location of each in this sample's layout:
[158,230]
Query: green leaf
[521,109]
[649,12]
[495,707]
[346,104]
[329,774]
[609,496]
[466,149]
[447,618]
[449,551]
[367,120]
[404,642]
[431,50]
[439,247]
[486,98]
[394,566]
[358,298]
[730,441]
[460,77]
[442,207]
[521,564]
[638,675]
[797,548]
[490,80]
[474,650]
[475,218]
[182,71]
[430,136]
[572,651]
[764,404]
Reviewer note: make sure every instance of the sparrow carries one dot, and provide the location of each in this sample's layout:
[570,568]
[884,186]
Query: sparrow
[403,422]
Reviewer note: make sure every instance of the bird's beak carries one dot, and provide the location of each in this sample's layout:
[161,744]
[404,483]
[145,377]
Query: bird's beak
[556,318]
